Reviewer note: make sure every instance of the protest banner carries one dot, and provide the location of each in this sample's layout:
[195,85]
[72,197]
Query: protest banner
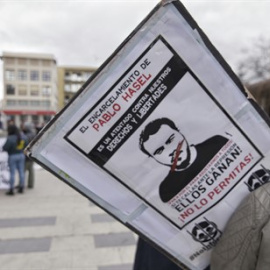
[163,137]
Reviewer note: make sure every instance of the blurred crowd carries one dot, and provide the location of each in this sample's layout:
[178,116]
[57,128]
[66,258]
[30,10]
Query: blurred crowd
[17,138]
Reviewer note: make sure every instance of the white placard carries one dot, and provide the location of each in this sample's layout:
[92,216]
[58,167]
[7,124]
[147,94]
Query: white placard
[162,134]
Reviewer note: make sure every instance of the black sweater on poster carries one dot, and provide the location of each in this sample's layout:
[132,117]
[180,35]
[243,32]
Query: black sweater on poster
[177,180]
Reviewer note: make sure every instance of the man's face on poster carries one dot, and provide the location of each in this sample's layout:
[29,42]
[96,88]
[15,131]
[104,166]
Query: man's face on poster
[162,146]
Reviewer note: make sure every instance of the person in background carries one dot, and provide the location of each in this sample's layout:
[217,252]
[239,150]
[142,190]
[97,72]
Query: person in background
[14,146]
[30,132]
[10,122]
[39,127]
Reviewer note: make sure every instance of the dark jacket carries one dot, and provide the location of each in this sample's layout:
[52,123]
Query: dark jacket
[148,258]
[11,145]
[30,132]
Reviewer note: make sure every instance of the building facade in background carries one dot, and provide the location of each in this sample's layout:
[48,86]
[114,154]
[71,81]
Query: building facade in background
[30,87]
[70,80]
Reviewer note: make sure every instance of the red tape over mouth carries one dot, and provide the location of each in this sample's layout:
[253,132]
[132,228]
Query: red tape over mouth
[178,149]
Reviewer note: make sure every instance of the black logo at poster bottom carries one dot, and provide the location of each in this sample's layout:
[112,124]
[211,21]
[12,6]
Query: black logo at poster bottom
[258,178]
[206,233]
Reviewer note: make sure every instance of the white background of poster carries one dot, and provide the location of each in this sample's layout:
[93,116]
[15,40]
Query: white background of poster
[198,119]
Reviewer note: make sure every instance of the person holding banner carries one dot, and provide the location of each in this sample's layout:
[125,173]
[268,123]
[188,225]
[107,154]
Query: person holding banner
[14,146]
[148,258]
[163,141]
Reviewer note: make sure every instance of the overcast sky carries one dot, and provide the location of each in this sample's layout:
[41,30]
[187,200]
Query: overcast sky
[87,32]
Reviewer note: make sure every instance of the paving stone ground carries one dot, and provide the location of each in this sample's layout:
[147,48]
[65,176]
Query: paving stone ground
[53,227]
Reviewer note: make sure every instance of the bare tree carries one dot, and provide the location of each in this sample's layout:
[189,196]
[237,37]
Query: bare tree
[255,65]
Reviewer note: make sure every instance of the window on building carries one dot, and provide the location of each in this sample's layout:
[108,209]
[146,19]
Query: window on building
[46,91]
[22,90]
[10,74]
[11,102]
[75,87]
[34,103]
[10,61]
[34,90]
[74,76]
[45,104]
[23,102]
[46,63]
[35,119]
[67,87]
[46,76]
[23,118]
[10,89]
[22,75]
[34,62]
[67,76]
[34,75]
[22,61]
[86,75]
[79,76]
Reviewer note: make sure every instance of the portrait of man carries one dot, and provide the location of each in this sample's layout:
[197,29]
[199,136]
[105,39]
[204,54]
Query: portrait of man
[163,141]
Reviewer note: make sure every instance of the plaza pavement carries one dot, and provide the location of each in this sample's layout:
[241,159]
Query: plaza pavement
[53,227]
